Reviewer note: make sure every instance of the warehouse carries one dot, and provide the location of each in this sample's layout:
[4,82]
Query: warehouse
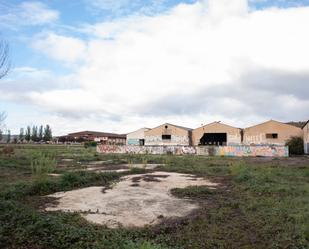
[100,137]
[168,134]
[216,133]
[137,137]
[271,132]
[306,137]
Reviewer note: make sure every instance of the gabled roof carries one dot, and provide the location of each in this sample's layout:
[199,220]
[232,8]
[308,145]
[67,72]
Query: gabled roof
[178,126]
[218,122]
[271,120]
[305,124]
[299,124]
[143,128]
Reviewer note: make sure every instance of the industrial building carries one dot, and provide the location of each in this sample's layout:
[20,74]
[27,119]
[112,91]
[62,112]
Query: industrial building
[168,134]
[271,132]
[306,137]
[137,137]
[216,133]
[101,137]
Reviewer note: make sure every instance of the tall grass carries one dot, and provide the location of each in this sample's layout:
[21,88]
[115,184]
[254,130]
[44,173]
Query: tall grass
[42,164]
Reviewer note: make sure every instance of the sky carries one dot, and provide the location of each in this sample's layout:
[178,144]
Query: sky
[119,65]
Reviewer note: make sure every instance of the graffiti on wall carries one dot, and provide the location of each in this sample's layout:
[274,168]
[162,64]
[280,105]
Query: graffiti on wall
[131,149]
[233,151]
[243,151]
[155,140]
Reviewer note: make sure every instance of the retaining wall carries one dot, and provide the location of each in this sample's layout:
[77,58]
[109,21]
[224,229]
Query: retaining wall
[233,150]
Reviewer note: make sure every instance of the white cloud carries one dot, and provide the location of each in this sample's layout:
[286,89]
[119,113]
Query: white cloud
[27,13]
[64,48]
[196,63]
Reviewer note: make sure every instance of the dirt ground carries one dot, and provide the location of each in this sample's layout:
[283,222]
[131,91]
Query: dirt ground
[135,201]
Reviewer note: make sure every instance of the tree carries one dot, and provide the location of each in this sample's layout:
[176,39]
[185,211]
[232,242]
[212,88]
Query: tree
[21,135]
[296,145]
[4,69]
[4,59]
[34,135]
[8,137]
[28,134]
[2,118]
[41,133]
[47,133]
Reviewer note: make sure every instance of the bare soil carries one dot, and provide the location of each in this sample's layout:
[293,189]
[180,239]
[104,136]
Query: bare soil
[135,201]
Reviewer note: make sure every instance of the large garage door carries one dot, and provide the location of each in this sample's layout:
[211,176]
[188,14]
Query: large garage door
[214,139]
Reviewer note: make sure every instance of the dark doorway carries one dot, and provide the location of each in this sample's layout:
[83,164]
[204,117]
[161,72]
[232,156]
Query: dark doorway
[214,139]
[142,142]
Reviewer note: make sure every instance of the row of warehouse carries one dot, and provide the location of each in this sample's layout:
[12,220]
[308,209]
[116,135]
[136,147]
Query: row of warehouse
[217,133]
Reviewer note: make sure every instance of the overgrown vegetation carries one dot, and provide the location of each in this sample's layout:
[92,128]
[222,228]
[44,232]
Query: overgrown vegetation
[192,192]
[260,203]
[90,144]
[296,145]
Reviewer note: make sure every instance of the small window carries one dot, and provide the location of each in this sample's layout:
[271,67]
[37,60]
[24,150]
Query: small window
[166,137]
[272,135]
[166,127]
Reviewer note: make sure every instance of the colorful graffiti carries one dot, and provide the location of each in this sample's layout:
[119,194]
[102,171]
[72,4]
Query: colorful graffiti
[131,149]
[244,150]
[232,151]
[157,140]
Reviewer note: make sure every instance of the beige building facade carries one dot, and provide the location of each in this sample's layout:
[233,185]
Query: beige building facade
[271,132]
[216,133]
[168,134]
[137,137]
[306,137]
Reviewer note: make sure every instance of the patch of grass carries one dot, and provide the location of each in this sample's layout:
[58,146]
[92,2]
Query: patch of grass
[261,203]
[68,181]
[200,192]
[59,231]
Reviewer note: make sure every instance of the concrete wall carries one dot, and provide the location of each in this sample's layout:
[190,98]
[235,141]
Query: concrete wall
[234,151]
[130,149]
[243,151]
[179,136]
[134,137]
[257,134]
[306,137]
[233,134]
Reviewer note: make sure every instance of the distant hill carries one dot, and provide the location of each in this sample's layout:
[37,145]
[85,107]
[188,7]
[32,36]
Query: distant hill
[299,124]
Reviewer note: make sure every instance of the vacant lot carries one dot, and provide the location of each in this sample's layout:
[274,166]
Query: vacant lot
[216,202]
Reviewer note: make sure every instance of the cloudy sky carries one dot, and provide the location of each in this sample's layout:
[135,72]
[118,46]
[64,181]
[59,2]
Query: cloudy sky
[118,65]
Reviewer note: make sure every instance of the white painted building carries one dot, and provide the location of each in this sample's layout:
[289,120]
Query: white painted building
[137,137]
[306,137]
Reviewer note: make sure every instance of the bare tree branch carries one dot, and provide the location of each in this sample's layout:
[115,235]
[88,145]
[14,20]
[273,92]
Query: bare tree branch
[5,64]
[3,116]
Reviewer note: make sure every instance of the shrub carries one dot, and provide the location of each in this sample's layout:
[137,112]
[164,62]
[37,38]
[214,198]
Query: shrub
[42,164]
[8,151]
[296,146]
[90,144]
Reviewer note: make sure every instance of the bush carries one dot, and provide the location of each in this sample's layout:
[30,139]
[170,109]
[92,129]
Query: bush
[296,146]
[42,164]
[8,151]
[90,144]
